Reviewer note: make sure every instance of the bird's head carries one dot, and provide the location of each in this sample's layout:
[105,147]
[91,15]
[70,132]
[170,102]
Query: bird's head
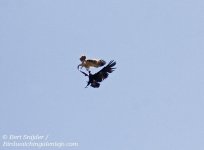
[83,58]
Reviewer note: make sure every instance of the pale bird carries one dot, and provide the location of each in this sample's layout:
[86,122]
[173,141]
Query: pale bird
[87,63]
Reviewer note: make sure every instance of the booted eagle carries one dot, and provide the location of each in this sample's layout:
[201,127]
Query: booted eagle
[87,63]
[94,79]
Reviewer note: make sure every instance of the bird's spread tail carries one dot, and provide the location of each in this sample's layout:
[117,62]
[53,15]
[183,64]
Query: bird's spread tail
[95,85]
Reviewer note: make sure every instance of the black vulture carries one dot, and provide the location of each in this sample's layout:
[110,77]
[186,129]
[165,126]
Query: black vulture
[94,79]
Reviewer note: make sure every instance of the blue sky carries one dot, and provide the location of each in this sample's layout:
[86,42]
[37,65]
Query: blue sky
[153,101]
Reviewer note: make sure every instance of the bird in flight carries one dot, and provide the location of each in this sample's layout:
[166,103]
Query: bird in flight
[94,79]
[87,63]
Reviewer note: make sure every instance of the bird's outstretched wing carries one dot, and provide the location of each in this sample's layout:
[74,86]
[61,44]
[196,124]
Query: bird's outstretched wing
[103,73]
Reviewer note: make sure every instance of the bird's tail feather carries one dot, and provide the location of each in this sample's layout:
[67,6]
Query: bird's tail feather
[102,62]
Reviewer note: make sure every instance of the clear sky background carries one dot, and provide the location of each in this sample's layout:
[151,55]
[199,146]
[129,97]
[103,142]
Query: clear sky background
[153,101]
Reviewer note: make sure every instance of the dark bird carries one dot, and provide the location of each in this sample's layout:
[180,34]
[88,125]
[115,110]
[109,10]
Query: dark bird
[94,79]
[87,63]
